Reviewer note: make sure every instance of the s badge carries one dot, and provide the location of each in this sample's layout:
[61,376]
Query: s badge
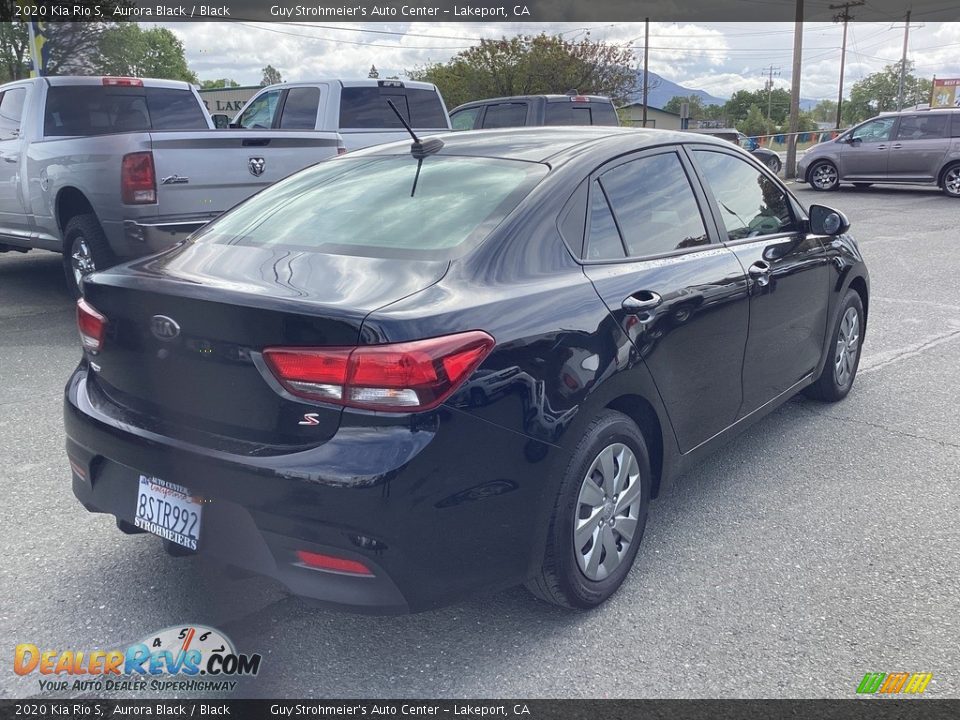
[310,419]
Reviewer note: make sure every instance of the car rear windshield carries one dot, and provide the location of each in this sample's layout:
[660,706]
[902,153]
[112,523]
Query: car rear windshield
[97,110]
[381,206]
[366,107]
[580,113]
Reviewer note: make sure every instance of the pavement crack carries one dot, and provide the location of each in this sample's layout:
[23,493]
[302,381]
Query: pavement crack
[885,359]
[877,426]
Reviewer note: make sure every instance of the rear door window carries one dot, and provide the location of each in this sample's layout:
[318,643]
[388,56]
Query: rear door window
[505,115]
[465,119]
[300,109]
[922,127]
[11,112]
[83,110]
[567,113]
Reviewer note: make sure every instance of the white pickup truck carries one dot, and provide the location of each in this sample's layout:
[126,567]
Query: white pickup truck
[106,169]
[356,109]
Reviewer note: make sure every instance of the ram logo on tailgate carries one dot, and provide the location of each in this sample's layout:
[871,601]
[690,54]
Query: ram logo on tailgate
[256,166]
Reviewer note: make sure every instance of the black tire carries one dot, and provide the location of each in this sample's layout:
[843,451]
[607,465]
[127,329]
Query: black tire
[560,580]
[950,180]
[83,234]
[775,165]
[826,167]
[831,386]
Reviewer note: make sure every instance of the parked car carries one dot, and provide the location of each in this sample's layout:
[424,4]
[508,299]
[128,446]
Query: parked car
[916,146]
[534,111]
[104,169]
[356,109]
[292,390]
[765,155]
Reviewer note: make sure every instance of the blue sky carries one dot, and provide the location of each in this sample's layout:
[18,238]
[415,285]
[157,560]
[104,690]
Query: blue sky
[718,57]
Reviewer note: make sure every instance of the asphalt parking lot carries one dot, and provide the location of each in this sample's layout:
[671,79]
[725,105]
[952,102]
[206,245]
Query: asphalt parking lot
[820,545]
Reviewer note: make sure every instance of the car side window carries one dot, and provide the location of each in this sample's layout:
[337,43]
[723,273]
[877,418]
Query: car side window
[654,205]
[874,131]
[260,113]
[750,203]
[922,127]
[11,112]
[465,119]
[505,115]
[603,238]
[300,109]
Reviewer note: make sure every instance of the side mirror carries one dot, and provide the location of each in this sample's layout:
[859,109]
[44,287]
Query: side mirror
[855,140]
[827,221]
[220,121]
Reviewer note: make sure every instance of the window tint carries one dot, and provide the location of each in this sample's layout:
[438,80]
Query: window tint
[750,202]
[604,114]
[366,107]
[11,111]
[174,110]
[567,113]
[82,110]
[259,114]
[874,131]
[955,124]
[603,239]
[922,127]
[505,115]
[381,206]
[465,119]
[654,205]
[300,109]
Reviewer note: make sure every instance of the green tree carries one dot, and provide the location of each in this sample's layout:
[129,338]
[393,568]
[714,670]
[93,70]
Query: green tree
[221,83]
[778,101]
[271,76]
[129,50]
[755,123]
[878,93]
[697,109]
[532,64]
[825,111]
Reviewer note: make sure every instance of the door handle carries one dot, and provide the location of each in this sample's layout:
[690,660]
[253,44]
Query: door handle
[640,301]
[9,158]
[897,146]
[760,272]
[881,147]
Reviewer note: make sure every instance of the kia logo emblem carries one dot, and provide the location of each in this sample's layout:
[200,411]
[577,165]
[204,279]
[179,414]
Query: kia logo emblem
[164,328]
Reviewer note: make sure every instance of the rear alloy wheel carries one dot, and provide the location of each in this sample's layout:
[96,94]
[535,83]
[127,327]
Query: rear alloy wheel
[85,250]
[840,370]
[775,165]
[599,517]
[951,181]
[824,176]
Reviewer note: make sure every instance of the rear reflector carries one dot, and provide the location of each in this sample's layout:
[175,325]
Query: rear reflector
[92,326]
[402,377]
[138,181]
[122,82]
[332,563]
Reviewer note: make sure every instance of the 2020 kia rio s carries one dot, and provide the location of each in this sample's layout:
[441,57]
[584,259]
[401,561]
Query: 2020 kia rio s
[411,373]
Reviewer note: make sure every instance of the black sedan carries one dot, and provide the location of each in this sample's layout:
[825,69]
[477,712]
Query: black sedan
[411,373]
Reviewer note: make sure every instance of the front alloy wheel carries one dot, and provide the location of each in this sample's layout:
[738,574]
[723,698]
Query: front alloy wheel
[824,176]
[951,181]
[848,343]
[608,510]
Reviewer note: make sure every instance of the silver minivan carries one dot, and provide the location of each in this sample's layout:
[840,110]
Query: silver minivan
[915,146]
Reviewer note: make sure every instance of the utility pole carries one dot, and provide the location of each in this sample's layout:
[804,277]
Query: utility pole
[646,65]
[846,17]
[773,71]
[903,61]
[791,168]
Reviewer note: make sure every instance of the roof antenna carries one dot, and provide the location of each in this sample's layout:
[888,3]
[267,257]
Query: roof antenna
[419,148]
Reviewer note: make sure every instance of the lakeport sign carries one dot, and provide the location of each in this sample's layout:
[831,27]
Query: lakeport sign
[227,101]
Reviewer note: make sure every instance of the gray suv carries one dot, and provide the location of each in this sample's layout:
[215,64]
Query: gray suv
[915,146]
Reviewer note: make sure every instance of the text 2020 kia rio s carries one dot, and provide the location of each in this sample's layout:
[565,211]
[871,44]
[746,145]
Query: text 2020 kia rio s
[414,372]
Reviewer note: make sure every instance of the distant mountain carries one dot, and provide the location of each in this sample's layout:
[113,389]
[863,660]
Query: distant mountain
[662,90]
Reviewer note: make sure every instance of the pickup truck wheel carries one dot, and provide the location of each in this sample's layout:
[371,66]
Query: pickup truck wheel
[85,250]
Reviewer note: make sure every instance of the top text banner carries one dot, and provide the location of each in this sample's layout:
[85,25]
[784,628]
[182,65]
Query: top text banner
[522,11]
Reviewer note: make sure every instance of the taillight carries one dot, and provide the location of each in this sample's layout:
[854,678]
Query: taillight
[92,326]
[402,377]
[341,150]
[122,82]
[138,181]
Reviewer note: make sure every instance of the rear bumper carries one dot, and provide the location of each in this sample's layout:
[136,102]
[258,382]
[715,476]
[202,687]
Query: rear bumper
[422,502]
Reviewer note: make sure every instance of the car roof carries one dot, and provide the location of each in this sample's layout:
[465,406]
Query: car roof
[57,80]
[355,82]
[548,98]
[539,144]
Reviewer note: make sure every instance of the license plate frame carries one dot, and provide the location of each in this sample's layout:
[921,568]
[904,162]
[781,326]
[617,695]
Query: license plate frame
[169,511]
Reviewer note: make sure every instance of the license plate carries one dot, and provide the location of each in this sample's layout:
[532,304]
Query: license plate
[168,510]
